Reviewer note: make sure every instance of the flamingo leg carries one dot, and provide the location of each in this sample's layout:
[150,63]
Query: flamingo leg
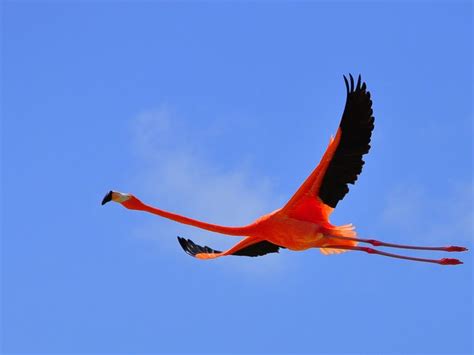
[443,261]
[378,243]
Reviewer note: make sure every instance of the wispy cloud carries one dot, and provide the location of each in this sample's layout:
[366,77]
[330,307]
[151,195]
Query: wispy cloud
[440,218]
[174,174]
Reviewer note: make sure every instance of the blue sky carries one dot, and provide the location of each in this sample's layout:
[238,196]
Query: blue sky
[219,111]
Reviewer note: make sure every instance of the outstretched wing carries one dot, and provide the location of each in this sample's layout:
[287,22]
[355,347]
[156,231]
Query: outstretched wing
[246,247]
[342,162]
[355,131]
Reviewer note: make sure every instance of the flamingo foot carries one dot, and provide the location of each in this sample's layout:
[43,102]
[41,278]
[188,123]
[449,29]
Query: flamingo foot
[449,261]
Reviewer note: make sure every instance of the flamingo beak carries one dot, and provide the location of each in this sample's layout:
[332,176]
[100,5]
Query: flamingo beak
[107,198]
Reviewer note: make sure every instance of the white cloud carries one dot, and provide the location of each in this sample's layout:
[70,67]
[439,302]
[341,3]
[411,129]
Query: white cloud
[174,175]
[445,218]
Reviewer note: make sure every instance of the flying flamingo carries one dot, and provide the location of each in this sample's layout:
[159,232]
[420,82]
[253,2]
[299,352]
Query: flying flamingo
[303,222]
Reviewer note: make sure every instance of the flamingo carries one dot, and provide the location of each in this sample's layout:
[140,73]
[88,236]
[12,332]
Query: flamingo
[303,222]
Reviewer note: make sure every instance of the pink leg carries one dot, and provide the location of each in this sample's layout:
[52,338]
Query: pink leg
[444,261]
[378,243]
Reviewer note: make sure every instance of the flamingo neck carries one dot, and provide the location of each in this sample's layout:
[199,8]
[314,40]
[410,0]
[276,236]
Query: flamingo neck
[136,204]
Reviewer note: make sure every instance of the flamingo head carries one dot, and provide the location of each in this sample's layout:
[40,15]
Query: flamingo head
[116,196]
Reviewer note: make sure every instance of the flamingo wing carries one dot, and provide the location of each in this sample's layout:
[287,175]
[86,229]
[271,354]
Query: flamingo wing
[342,162]
[246,247]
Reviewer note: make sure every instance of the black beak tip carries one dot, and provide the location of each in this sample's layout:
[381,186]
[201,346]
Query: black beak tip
[107,198]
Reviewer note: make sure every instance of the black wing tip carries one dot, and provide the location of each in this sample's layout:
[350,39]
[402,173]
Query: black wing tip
[185,244]
[354,87]
[346,83]
[258,249]
[356,125]
[192,248]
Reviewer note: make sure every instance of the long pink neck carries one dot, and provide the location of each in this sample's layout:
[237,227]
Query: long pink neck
[135,204]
